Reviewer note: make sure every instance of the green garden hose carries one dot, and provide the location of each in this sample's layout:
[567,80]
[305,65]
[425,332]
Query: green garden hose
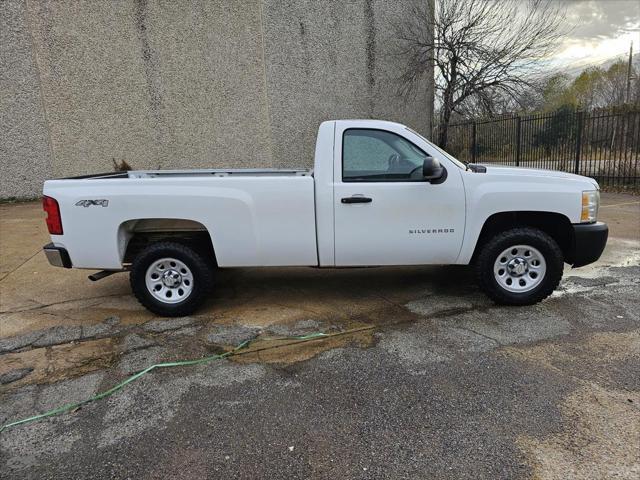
[183,363]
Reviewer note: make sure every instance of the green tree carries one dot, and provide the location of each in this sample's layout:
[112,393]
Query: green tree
[556,93]
[587,88]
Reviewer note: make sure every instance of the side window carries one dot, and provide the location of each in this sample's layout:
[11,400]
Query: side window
[379,156]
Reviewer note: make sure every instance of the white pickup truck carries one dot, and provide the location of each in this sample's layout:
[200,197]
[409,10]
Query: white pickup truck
[379,194]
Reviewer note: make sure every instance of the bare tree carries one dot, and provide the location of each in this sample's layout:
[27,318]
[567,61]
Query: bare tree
[480,48]
[614,84]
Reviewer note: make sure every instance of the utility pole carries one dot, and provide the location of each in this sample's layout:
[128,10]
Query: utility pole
[629,72]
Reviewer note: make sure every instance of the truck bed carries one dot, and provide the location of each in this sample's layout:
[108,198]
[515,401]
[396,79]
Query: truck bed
[254,217]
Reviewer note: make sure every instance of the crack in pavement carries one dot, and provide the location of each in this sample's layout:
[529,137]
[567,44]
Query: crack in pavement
[19,266]
[41,306]
[497,342]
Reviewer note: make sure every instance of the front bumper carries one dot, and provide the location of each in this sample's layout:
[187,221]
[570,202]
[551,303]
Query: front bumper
[589,240]
[57,256]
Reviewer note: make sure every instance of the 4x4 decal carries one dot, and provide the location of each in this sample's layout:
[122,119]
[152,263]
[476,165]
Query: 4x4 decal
[89,203]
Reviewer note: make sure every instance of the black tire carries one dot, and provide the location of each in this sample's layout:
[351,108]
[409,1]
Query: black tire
[200,270]
[547,246]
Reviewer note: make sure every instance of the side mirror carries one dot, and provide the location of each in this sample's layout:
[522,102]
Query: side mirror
[432,170]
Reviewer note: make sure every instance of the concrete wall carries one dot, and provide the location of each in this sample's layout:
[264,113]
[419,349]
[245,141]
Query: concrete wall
[25,150]
[177,84]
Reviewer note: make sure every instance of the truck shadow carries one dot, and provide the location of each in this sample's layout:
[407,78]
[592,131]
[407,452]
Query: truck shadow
[393,283]
[378,296]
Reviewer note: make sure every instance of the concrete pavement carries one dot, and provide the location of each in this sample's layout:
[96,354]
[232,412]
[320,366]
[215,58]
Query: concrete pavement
[444,385]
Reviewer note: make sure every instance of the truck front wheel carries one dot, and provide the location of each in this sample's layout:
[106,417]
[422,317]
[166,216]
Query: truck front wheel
[170,279]
[521,266]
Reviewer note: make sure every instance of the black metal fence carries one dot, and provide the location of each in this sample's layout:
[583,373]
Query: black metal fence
[603,144]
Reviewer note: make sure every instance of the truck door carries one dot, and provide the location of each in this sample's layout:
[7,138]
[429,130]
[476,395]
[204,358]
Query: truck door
[385,213]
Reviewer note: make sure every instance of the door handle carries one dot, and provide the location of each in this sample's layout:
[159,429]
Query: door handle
[356,199]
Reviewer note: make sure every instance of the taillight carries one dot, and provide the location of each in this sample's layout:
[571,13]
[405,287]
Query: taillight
[54,222]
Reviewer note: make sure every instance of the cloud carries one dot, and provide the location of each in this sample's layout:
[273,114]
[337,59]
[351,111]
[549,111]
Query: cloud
[600,30]
[600,19]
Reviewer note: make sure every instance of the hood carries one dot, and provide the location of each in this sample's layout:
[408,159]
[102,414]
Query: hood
[536,172]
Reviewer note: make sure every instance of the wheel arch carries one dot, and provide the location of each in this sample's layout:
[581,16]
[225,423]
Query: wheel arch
[556,225]
[135,234]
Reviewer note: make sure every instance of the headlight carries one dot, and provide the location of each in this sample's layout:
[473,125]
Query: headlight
[590,204]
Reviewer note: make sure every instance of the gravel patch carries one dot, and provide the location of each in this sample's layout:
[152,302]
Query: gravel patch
[14,375]
[134,341]
[58,335]
[158,326]
[231,334]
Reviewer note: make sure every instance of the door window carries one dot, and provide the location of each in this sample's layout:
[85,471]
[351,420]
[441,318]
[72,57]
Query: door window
[370,155]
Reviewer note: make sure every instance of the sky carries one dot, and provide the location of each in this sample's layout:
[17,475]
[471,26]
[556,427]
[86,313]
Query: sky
[601,29]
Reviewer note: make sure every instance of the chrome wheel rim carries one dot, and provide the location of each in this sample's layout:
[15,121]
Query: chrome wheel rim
[169,280]
[519,268]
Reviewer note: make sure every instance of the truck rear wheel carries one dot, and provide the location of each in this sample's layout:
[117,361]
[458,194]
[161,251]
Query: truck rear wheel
[170,279]
[521,266]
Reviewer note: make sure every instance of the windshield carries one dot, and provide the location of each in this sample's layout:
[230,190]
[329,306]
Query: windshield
[446,155]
